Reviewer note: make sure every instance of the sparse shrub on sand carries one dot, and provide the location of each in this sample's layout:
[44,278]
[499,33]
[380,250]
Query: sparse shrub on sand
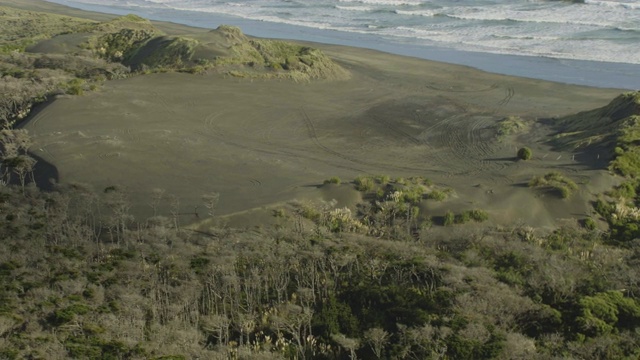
[333,180]
[471,215]
[478,215]
[279,213]
[75,87]
[589,224]
[555,181]
[364,183]
[412,194]
[437,195]
[462,218]
[382,179]
[524,153]
[510,125]
[449,218]
[308,211]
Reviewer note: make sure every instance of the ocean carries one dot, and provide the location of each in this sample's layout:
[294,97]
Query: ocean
[594,43]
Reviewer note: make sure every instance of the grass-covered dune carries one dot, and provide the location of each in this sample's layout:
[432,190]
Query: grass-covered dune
[613,128]
[43,54]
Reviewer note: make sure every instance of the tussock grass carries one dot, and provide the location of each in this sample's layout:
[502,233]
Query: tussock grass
[510,125]
[555,181]
[280,59]
[602,123]
[21,28]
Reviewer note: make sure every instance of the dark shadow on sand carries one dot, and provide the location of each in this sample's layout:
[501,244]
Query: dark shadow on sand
[510,159]
[45,174]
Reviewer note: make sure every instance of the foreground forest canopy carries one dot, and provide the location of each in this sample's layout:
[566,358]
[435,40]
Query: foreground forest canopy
[81,277]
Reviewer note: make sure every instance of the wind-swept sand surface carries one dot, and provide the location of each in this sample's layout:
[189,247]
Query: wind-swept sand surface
[261,142]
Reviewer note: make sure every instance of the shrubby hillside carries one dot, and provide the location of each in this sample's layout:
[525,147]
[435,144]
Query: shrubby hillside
[81,278]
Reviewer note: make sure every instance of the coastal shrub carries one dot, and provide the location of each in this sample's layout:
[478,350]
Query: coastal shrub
[437,195]
[627,163]
[382,179]
[333,180]
[589,224]
[412,194]
[478,215]
[75,87]
[449,218]
[63,316]
[555,181]
[462,218]
[363,183]
[524,153]
[510,125]
[626,190]
[308,211]
[279,213]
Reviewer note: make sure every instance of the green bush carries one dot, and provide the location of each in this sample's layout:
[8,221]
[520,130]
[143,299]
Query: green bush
[462,218]
[333,180]
[437,195]
[478,215]
[364,183]
[524,153]
[75,87]
[589,224]
[555,181]
[449,218]
[412,194]
[63,316]
[382,179]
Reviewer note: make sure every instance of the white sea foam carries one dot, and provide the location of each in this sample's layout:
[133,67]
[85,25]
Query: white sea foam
[386,2]
[355,8]
[601,30]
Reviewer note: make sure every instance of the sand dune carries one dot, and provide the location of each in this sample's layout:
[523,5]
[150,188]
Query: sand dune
[259,142]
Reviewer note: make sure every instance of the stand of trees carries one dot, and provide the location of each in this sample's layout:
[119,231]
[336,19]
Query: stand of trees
[80,278]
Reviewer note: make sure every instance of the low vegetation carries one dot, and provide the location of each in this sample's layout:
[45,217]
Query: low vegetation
[476,215]
[627,154]
[556,182]
[43,55]
[81,278]
[524,153]
[333,180]
[510,125]
[611,131]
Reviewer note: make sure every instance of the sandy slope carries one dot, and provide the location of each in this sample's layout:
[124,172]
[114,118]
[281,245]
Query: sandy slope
[261,142]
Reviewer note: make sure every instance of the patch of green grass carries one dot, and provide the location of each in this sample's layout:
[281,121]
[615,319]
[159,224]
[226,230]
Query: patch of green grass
[21,28]
[589,224]
[478,215]
[437,195]
[412,194]
[333,180]
[471,215]
[627,152]
[364,183]
[555,181]
[509,126]
[382,179]
[449,218]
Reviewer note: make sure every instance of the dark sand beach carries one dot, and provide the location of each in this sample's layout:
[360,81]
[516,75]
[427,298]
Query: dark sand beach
[262,142]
